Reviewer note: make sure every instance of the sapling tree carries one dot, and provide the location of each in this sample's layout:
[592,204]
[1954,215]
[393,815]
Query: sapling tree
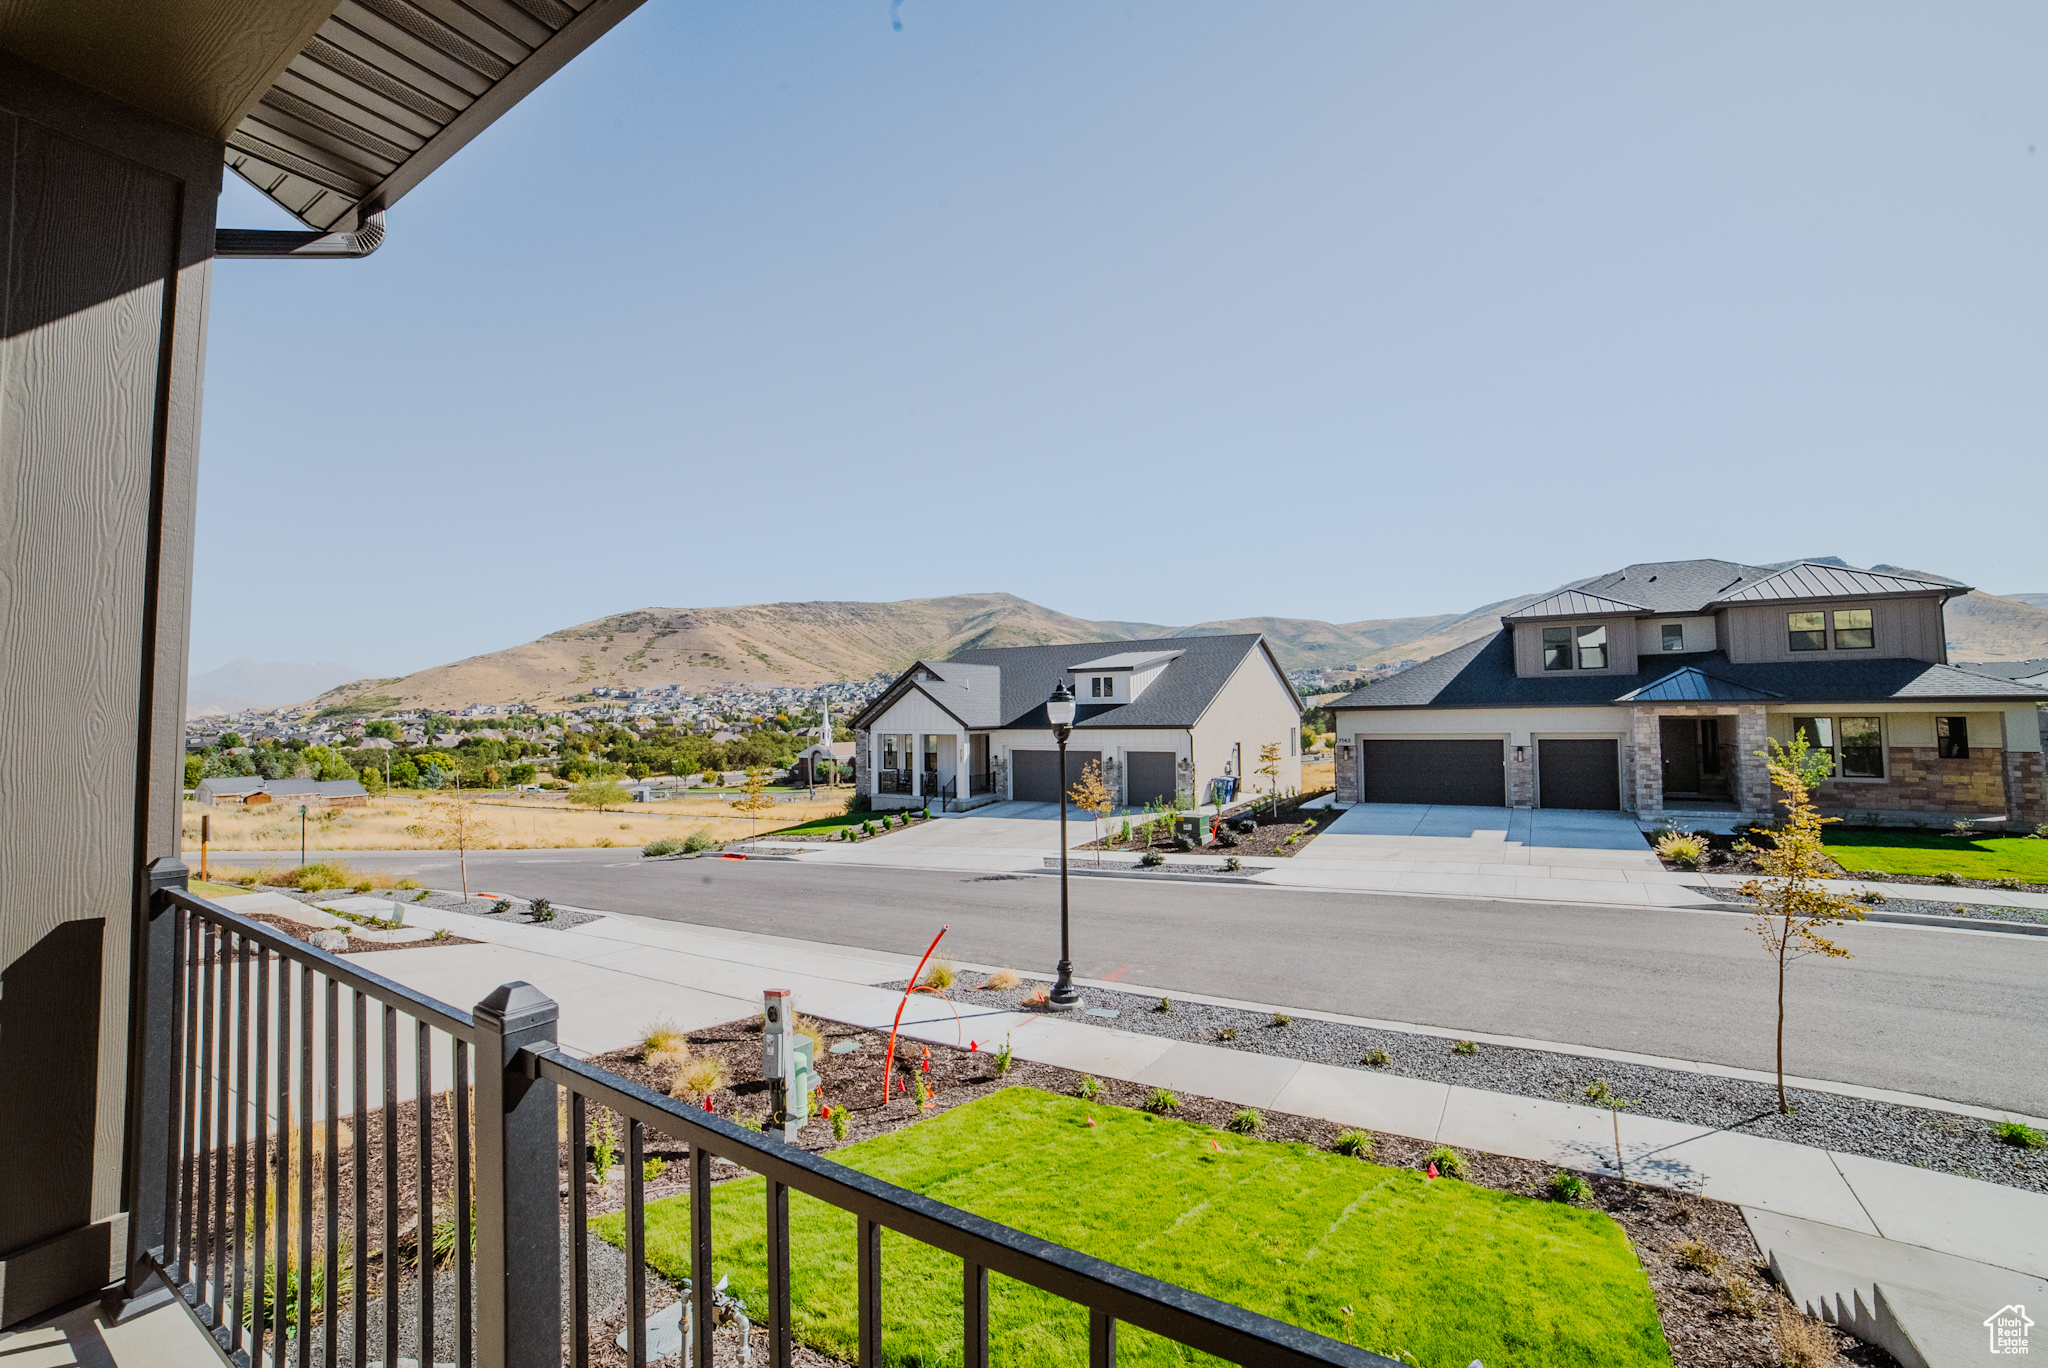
[1093,797]
[598,791]
[1269,765]
[456,824]
[754,799]
[1792,903]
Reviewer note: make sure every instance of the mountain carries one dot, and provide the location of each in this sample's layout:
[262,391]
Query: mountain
[815,643]
[2031,600]
[243,684]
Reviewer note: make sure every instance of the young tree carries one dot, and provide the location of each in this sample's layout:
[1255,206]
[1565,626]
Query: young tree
[456,824]
[1269,765]
[754,799]
[598,792]
[1093,797]
[1792,904]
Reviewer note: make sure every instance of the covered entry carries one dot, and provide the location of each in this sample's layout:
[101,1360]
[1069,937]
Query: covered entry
[1149,776]
[1458,773]
[1579,773]
[1035,774]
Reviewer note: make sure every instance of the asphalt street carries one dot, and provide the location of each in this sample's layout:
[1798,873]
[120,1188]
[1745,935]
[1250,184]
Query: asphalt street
[1950,1014]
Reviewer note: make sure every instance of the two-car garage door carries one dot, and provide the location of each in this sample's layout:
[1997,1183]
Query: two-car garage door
[1571,773]
[1035,774]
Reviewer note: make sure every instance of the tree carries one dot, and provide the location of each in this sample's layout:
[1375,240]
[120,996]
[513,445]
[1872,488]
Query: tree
[1093,797]
[372,779]
[230,740]
[1793,905]
[195,770]
[1269,765]
[598,792]
[711,777]
[754,799]
[385,728]
[456,824]
[326,763]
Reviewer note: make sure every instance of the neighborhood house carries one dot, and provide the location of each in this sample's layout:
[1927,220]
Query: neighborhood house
[240,792]
[1182,718]
[1652,689]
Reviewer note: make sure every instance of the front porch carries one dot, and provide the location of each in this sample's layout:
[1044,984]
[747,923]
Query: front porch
[1697,761]
[947,771]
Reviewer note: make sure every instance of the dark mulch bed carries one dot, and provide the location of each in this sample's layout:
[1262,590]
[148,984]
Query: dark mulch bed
[1275,833]
[356,944]
[1713,1291]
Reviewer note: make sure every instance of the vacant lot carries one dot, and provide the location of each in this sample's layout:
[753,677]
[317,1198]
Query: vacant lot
[1441,1270]
[393,823]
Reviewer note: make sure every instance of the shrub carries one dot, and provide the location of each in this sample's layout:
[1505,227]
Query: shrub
[700,839]
[1449,1162]
[939,975]
[1152,859]
[407,883]
[1800,1341]
[541,910]
[664,1044]
[810,1028]
[698,1079]
[1002,980]
[1246,1121]
[1226,1032]
[1087,1089]
[1006,1058]
[1699,1257]
[602,841]
[421,896]
[1355,1143]
[667,845]
[444,935]
[1233,865]
[1681,849]
[501,906]
[1949,877]
[1870,897]
[1565,1186]
[604,1146]
[1165,1005]
[653,1169]
[1159,1102]
[1282,1019]
[1962,827]
[2019,1134]
[868,828]
[1466,1047]
[2010,883]
[1377,1059]
[839,1123]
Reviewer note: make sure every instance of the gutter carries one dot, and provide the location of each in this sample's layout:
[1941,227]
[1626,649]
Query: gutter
[272,244]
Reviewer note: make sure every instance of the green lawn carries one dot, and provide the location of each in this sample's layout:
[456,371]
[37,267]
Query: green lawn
[1995,857]
[1445,1271]
[844,819]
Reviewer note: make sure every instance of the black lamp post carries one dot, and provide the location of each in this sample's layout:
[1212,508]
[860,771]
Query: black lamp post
[1059,710]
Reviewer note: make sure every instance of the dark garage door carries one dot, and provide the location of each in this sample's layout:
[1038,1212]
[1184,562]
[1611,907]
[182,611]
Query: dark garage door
[1578,774]
[1464,773]
[1149,776]
[1036,777]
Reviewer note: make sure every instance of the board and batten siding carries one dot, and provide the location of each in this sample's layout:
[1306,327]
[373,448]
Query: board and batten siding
[1621,646]
[1904,627]
[105,277]
[1699,635]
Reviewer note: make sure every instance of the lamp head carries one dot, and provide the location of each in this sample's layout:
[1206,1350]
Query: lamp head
[1059,710]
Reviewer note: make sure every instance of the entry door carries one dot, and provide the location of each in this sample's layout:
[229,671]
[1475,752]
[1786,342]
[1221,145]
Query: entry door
[1680,738]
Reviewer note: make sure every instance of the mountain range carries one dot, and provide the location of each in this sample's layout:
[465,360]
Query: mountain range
[243,684]
[819,642]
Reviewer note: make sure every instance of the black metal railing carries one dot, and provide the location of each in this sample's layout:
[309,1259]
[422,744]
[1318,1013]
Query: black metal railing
[227,1131]
[978,784]
[929,785]
[892,781]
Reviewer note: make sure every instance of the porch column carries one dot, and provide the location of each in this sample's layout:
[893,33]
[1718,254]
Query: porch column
[1646,745]
[1752,778]
[963,766]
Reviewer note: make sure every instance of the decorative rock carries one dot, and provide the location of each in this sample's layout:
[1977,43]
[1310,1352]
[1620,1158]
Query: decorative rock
[332,941]
[844,1046]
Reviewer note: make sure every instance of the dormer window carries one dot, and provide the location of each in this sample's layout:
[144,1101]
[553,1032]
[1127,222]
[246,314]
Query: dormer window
[1557,648]
[1853,631]
[1806,631]
[1575,648]
[1674,636]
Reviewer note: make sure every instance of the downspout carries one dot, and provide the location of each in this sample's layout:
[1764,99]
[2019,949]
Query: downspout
[248,244]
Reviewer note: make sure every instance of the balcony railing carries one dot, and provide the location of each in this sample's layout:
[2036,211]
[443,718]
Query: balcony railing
[892,781]
[258,1038]
[978,784]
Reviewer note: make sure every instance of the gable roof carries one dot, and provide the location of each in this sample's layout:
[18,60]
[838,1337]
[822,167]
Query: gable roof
[1481,674]
[1692,684]
[1808,579]
[1196,673]
[1575,603]
[1125,660]
[2006,669]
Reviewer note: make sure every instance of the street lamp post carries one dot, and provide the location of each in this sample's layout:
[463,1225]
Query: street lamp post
[1059,710]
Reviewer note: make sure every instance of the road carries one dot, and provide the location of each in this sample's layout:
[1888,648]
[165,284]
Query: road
[1948,1014]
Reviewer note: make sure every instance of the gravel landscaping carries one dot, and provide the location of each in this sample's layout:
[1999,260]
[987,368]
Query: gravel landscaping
[1919,907]
[518,914]
[1879,1130]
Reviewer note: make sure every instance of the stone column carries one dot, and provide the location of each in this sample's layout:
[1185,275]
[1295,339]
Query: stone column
[1522,771]
[1646,772]
[1752,779]
[1347,772]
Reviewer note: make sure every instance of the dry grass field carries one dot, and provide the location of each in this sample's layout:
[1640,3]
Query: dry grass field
[395,822]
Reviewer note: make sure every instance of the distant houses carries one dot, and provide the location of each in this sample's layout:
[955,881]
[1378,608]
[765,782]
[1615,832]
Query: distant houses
[256,792]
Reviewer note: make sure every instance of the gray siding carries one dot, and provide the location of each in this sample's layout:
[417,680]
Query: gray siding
[1908,627]
[1621,646]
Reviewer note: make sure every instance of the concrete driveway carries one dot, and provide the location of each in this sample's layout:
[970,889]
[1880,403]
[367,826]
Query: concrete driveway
[1551,828]
[1000,837]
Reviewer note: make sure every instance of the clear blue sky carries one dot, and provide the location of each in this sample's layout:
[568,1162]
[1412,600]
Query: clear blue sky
[1160,311]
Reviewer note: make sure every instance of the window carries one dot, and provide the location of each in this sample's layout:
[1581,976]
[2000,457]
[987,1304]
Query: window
[1592,648]
[890,752]
[1808,631]
[1095,687]
[1819,733]
[931,754]
[1862,747]
[1852,630]
[1674,636]
[1952,737]
[1710,745]
[1557,648]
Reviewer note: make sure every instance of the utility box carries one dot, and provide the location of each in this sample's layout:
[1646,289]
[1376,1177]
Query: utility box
[1192,832]
[788,1061]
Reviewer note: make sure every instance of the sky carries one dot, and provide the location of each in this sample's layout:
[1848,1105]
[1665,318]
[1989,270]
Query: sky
[1168,312]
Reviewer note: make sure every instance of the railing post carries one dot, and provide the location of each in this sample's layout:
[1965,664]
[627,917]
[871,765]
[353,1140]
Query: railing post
[518,1220]
[153,1029]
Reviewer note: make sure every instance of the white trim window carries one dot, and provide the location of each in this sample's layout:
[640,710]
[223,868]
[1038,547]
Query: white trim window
[1854,744]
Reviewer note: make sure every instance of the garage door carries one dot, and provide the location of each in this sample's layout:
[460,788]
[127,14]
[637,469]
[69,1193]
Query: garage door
[1149,776]
[1465,773]
[1035,775]
[1578,774]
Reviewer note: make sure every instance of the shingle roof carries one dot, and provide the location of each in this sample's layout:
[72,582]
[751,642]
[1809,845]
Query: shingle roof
[1177,698]
[279,788]
[1481,674]
[1806,580]
[1673,586]
[2007,669]
[1691,685]
[1577,603]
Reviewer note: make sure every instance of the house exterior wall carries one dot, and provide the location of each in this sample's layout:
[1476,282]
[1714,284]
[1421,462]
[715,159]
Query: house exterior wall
[1114,742]
[1621,646]
[1699,635]
[1519,729]
[916,716]
[1907,627]
[1254,708]
[2001,776]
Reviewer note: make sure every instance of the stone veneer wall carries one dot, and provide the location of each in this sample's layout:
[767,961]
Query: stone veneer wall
[863,781]
[1921,781]
[1347,773]
[2026,788]
[1522,776]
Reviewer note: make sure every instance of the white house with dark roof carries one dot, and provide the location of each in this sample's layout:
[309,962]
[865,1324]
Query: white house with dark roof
[1164,718]
[1651,689]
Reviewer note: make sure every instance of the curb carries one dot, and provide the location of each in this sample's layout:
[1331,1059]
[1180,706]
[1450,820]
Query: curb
[2011,928]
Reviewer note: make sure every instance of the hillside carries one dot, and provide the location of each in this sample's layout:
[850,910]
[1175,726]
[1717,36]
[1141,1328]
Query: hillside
[814,643]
